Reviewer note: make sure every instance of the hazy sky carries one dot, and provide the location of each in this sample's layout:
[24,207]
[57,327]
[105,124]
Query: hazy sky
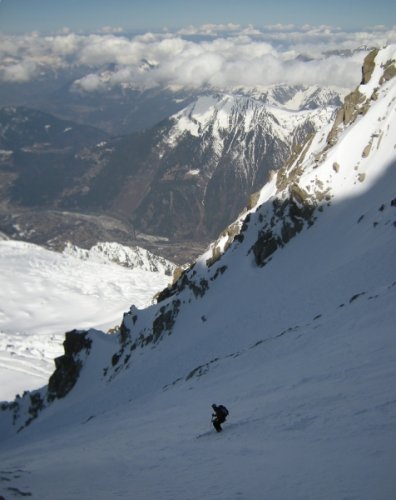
[221,44]
[22,16]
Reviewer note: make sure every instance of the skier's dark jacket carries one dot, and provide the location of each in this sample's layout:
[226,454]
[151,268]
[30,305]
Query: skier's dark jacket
[221,412]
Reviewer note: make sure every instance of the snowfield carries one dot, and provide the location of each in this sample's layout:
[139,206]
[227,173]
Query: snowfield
[299,344]
[44,294]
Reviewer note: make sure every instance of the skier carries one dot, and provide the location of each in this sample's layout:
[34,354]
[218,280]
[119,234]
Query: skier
[219,416]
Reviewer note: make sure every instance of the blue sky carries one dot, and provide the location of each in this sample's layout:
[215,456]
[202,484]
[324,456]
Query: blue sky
[23,16]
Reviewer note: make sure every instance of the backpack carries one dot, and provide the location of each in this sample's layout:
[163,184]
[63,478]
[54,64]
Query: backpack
[223,410]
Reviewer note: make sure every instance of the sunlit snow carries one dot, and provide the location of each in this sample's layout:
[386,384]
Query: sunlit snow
[43,294]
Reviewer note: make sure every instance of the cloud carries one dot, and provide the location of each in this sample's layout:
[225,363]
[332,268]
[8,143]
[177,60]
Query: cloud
[215,56]
[209,29]
[18,72]
[92,83]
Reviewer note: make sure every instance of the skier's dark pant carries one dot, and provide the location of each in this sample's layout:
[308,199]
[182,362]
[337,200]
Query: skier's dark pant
[217,423]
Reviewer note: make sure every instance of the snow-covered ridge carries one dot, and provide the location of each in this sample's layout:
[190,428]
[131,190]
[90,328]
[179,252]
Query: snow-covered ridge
[217,114]
[130,257]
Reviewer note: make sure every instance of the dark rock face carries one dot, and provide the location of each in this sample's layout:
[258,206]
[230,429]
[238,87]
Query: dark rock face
[266,244]
[67,366]
[165,320]
[65,376]
[290,218]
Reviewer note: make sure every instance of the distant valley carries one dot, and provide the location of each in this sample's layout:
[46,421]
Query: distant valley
[171,187]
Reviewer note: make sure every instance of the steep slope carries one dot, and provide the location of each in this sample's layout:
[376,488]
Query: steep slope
[288,319]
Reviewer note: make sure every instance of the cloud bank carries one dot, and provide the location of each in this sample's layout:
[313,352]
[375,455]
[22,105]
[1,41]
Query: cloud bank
[211,56]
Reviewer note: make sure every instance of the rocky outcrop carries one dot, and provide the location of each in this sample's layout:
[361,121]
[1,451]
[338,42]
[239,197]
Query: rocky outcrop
[368,66]
[68,366]
[389,72]
[290,216]
[220,246]
[162,324]
[356,103]
[27,408]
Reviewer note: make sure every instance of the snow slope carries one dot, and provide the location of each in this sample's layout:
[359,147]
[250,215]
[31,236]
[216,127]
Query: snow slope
[44,294]
[292,328]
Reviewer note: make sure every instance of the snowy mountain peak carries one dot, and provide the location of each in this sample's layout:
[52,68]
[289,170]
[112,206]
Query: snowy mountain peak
[282,112]
[214,153]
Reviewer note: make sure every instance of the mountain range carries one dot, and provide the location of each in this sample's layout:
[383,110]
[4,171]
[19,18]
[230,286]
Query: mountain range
[183,180]
[287,318]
